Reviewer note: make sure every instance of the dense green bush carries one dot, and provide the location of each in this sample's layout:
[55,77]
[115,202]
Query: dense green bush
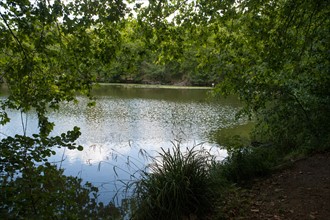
[246,163]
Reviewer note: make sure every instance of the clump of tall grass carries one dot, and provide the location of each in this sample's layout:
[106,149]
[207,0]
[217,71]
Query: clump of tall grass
[178,185]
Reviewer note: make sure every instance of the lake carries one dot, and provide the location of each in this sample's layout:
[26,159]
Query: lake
[129,125]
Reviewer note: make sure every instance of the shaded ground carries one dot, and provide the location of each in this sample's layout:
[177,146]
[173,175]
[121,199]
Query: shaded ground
[300,192]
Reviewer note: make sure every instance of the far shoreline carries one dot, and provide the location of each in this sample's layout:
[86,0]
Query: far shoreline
[153,86]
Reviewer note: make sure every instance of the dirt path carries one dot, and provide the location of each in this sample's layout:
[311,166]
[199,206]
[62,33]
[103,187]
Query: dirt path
[299,192]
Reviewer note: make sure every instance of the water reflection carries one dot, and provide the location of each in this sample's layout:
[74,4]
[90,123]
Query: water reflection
[128,126]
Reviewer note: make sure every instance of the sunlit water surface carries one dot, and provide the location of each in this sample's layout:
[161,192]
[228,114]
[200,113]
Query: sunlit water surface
[128,126]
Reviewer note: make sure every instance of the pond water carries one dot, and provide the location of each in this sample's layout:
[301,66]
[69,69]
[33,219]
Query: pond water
[128,126]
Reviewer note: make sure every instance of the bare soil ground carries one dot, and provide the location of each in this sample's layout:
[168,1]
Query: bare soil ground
[299,192]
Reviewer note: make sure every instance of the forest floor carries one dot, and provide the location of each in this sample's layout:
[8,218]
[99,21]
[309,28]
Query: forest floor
[301,191]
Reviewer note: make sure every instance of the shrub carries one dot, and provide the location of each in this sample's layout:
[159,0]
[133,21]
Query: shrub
[246,163]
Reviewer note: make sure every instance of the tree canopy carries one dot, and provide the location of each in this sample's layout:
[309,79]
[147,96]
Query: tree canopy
[272,54]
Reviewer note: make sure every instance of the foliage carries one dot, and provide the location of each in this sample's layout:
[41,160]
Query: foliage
[21,152]
[178,185]
[48,51]
[43,192]
[47,56]
[272,54]
[33,188]
[283,69]
[246,163]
